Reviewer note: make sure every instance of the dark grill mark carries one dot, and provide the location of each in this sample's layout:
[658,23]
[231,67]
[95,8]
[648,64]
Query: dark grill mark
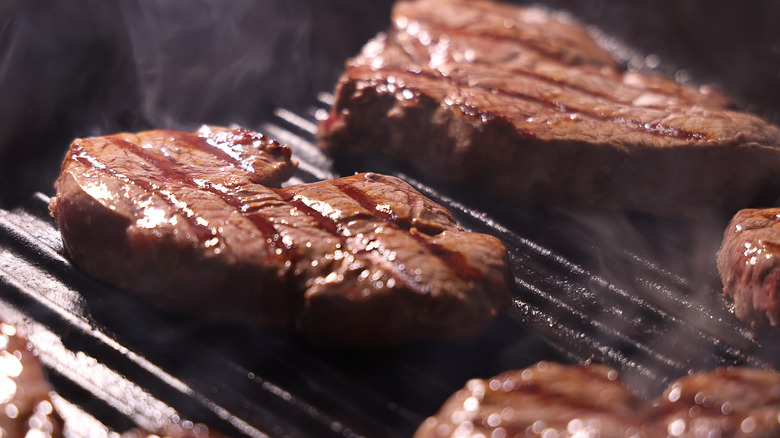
[202,232]
[453,259]
[366,202]
[215,146]
[337,230]
[166,167]
[551,56]
[322,221]
[546,395]
[168,171]
[656,129]
[201,144]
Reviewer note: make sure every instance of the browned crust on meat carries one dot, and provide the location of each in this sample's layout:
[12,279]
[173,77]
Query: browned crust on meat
[25,409]
[513,100]
[197,223]
[551,399]
[748,265]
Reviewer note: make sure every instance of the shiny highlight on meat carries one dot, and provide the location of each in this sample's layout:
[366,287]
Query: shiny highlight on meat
[199,223]
[556,400]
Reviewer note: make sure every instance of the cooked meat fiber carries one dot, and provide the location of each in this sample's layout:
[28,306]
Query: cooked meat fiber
[176,431]
[198,223]
[748,265]
[550,399]
[25,407]
[524,103]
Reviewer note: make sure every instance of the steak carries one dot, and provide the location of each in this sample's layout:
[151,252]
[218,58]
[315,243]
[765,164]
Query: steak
[176,431]
[551,399]
[25,407]
[198,223]
[748,265]
[523,103]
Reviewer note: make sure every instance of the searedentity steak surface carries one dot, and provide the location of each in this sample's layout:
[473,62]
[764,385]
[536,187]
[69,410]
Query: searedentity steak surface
[523,103]
[198,223]
[748,265]
[553,399]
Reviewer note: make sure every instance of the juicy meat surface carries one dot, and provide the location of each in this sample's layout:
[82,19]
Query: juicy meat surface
[522,102]
[176,431]
[198,223]
[749,266]
[25,407]
[551,399]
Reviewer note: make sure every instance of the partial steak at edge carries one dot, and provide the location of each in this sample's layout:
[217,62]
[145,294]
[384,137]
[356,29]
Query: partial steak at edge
[558,400]
[749,265]
[522,102]
[25,407]
[198,223]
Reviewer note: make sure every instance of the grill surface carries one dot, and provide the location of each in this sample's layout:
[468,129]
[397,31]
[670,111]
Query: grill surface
[634,292]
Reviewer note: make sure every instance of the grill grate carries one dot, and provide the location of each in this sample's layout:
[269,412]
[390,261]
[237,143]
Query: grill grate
[636,293]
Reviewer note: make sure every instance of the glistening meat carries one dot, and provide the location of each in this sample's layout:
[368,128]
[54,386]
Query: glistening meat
[523,103]
[748,265]
[198,223]
[25,407]
[552,399]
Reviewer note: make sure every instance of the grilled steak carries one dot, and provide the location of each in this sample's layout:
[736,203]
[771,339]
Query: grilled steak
[176,431]
[25,408]
[524,103]
[197,223]
[551,399]
[748,266]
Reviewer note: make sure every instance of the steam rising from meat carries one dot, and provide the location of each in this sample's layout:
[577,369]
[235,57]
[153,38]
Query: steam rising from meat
[72,70]
[209,61]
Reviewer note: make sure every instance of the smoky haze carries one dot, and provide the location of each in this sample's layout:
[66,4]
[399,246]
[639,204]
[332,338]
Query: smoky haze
[73,69]
[78,68]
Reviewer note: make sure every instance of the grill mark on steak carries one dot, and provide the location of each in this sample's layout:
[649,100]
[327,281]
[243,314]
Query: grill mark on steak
[454,260]
[748,266]
[338,231]
[492,114]
[368,203]
[596,59]
[572,400]
[200,143]
[261,223]
[543,392]
[548,55]
[202,232]
[552,58]
[656,129]
[220,141]
[307,257]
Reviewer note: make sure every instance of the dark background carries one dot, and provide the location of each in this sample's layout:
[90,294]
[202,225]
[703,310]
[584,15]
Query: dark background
[78,68]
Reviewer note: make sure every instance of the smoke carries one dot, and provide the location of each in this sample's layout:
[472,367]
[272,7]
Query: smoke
[200,61]
[73,69]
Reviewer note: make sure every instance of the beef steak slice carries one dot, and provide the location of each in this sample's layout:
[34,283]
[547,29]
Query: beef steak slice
[198,223]
[524,103]
[748,265]
[25,409]
[552,399]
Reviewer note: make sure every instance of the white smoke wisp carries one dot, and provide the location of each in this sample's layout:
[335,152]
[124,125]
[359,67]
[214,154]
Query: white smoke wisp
[203,61]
